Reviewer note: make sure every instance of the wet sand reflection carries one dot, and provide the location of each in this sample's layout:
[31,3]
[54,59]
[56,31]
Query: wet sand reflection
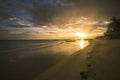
[83,43]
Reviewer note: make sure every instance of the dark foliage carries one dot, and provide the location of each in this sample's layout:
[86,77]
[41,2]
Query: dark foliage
[113,31]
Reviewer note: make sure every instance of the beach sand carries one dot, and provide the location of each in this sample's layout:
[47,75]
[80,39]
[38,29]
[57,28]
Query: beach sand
[65,61]
[25,60]
[99,61]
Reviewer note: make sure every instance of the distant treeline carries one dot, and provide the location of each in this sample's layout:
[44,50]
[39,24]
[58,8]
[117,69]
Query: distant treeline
[113,31]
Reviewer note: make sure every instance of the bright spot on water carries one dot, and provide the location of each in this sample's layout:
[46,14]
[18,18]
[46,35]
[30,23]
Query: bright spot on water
[83,43]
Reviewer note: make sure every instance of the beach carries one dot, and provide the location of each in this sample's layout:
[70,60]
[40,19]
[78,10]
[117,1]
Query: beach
[60,60]
[100,61]
[26,59]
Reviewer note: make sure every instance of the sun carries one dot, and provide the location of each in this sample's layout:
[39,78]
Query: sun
[81,35]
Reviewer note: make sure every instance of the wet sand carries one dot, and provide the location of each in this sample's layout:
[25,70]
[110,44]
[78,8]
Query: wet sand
[25,60]
[64,61]
[99,61]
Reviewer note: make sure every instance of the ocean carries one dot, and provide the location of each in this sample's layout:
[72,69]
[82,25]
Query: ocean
[26,59]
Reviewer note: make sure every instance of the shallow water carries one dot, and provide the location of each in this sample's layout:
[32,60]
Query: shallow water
[24,60]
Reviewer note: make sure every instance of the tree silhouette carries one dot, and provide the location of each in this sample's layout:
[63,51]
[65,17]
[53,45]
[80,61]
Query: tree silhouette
[113,28]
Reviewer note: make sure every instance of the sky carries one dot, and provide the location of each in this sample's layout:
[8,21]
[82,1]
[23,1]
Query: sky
[55,19]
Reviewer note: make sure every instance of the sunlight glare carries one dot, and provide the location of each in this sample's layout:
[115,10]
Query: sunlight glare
[81,35]
[83,43]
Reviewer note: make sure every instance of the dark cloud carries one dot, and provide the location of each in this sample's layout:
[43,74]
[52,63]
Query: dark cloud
[55,12]
[47,11]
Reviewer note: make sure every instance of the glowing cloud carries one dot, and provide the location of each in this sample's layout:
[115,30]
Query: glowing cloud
[81,35]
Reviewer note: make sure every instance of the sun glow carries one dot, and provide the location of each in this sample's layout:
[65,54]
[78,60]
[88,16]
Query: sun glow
[81,35]
[83,43]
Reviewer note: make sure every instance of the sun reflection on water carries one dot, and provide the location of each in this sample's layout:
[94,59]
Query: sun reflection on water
[83,43]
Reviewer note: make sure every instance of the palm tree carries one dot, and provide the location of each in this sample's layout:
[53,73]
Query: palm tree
[113,28]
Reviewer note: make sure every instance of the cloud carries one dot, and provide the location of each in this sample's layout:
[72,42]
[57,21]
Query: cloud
[12,18]
[81,24]
[53,17]
[53,11]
